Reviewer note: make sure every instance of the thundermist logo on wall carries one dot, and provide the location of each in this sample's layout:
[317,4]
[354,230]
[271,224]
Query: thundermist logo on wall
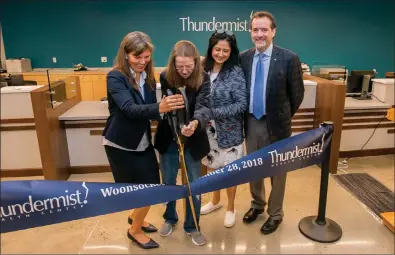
[189,24]
[282,158]
[68,201]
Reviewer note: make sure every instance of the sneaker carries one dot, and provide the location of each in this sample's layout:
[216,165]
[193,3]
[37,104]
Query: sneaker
[166,229]
[197,238]
[208,208]
[230,219]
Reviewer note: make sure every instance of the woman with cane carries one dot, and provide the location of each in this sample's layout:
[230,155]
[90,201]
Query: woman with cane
[228,101]
[127,136]
[184,71]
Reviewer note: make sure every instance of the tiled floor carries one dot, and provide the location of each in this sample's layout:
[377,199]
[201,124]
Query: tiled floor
[362,232]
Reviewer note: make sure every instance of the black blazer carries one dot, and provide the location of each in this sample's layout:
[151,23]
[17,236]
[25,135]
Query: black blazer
[129,113]
[200,110]
[284,90]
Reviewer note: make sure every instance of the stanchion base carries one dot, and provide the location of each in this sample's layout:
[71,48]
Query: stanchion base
[328,233]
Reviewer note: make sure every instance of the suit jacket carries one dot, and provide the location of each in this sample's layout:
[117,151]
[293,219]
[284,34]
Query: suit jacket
[130,114]
[284,90]
[199,108]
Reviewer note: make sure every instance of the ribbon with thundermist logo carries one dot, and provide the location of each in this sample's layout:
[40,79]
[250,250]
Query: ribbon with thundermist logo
[28,204]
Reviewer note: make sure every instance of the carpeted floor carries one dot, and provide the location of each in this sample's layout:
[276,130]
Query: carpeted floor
[368,190]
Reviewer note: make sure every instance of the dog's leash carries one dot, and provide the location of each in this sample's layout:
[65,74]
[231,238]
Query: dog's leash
[177,119]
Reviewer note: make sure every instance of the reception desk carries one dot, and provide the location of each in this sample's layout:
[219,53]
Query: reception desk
[74,144]
[364,120]
[84,125]
[20,151]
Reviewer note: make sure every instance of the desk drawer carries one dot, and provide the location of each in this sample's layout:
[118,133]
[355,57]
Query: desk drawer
[57,77]
[98,78]
[85,77]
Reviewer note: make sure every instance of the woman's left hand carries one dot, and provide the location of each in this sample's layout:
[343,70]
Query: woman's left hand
[190,129]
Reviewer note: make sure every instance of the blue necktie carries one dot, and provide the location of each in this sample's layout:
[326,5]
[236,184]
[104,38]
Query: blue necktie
[258,104]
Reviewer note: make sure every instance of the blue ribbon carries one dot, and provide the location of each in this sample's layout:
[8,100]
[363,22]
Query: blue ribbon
[28,204]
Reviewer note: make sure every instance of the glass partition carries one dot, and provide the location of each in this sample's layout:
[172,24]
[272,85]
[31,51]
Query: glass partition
[62,90]
[61,86]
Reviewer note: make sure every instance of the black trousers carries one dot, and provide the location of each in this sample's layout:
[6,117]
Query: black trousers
[133,167]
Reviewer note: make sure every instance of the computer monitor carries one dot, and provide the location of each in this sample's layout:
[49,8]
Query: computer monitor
[355,80]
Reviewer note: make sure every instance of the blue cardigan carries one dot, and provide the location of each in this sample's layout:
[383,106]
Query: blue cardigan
[130,115]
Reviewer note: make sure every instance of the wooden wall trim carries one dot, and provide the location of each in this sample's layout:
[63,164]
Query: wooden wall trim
[99,132]
[303,123]
[17,121]
[21,172]
[306,110]
[84,125]
[366,153]
[89,169]
[25,172]
[391,131]
[303,117]
[17,128]
[94,125]
[301,129]
[365,120]
[384,125]
[96,132]
[365,114]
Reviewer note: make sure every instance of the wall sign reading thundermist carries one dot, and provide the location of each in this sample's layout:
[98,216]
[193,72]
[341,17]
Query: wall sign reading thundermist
[188,24]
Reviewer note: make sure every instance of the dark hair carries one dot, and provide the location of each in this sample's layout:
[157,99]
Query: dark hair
[208,62]
[257,15]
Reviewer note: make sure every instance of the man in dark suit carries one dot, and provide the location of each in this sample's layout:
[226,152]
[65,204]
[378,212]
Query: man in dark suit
[276,90]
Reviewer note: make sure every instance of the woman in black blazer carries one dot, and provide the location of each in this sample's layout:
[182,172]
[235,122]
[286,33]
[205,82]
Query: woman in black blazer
[184,70]
[127,136]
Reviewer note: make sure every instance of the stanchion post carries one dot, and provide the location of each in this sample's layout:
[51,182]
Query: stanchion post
[319,228]
[324,186]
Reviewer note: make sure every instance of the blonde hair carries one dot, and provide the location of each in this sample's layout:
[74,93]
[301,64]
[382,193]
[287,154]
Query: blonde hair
[184,49]
[135,43]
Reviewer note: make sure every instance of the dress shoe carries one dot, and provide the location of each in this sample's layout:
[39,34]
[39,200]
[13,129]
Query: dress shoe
[150,229]
[270,226]
[150,245]
[252,214]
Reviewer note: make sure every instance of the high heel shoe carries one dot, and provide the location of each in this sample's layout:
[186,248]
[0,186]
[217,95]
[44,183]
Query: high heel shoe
[150,229]
[150,245]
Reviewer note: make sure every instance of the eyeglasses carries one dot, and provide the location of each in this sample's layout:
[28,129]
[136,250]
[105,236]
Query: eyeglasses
[223,31]
[188,67]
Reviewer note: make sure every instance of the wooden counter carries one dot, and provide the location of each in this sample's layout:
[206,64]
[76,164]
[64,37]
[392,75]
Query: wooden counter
[92,81]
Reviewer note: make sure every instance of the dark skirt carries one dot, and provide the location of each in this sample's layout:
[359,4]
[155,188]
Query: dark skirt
[133,167]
